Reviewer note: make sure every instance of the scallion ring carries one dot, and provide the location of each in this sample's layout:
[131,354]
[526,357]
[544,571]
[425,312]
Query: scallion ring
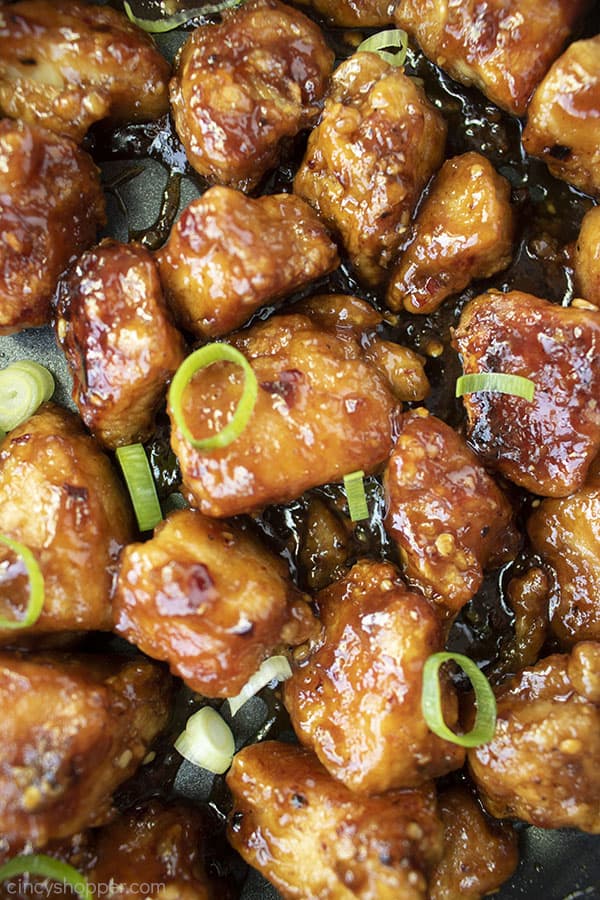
[201,359]
[496,382]
[140,484]
[381,42]
[355,493]
[276,668]
[207,741]
[169,23]
[24,386]
[431,701]
[36,586]
[47,867]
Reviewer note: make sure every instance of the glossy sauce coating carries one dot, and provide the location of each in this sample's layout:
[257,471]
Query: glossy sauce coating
[356,698]
[61,497]
[72,730]
[119,341]
[210,600]
[503,47]
[587,257]
[244,86]
[378,142]
[228,255]
[353,13]
[446,514]
[563,117]
[312,837]
[464,230]
[66,65]
[51,205]
[545,445]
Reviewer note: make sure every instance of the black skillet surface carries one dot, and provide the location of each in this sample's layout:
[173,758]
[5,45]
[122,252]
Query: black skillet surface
[147,182]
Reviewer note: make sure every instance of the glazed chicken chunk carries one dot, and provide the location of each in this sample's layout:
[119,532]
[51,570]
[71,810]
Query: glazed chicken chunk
[562,119]
[322,411]
[245,86]
[51,205]
[228,255]
[448,518]
[209,599]
[353,13]
[542,763]
[587,257]
[377,144]
[356,698]
[464,230]
[121,347]
[566,533]
[61,498]
[312,837]
[503,47]
[545,445]
[73,729]
[66,65]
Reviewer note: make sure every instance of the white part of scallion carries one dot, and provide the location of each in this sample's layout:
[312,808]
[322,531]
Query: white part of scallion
[207,741]
[276,668]
[355,493]
[24,386]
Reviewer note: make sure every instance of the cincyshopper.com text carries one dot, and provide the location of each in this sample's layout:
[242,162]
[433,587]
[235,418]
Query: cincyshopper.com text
[112,888]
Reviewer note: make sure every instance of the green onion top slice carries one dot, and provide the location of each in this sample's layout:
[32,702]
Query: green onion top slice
[379,43]
[169,23]
[36,586]
[46,867]
[207,741]
[355,494]
[140,483]
[24,386]
[431,701]
[497,382]
[275,668]
[201,359]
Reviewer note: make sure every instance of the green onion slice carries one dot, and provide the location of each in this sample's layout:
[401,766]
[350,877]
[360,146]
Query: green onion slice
[201,359]
[24,386]
[383,40]
[140,483]
[276,668]
[431,701]
[497,382]
[47,867]
[355,493]
[159,26]
[36,586]
[207,741]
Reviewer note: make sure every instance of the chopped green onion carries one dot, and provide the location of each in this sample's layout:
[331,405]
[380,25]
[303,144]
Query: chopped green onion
[355,493]
[36,586]
[431,701]
[377,43]
[47,867]
[276,668]
[207,741]
[201,359]
[24,386]
[497,382]
[140,483]
[158,26]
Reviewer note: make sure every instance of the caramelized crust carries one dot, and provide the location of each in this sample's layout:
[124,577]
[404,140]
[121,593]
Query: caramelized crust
[245,85]
[378,142]
[587,257]
[312,837]
[545,445]
[228,255]
[51,205]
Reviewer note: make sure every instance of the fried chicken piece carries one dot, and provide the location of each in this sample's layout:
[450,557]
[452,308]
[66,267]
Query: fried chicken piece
[353,13]
[447,516]
[66,65]
[378,142]
[355,699]
[527,596]
[117,336]
[209,599]
[464,230]
[545,445]
[51,205]
[587,257]
[228,255]
[244,86]
[61,498]
[562,119]
[542,763]
[312,837]
[73,729]
[322,411]
[503,47]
